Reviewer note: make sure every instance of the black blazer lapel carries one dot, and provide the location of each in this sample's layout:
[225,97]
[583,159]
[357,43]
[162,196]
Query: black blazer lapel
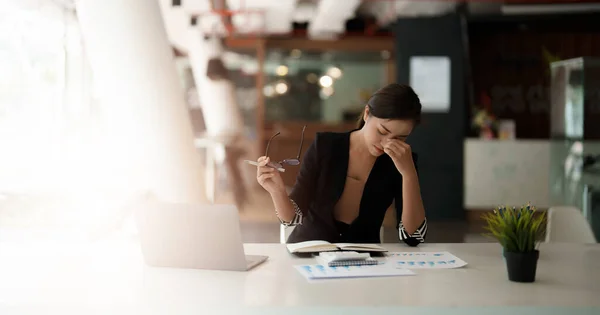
[339,166]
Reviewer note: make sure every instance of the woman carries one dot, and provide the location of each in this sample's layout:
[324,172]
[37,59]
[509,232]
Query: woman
[348,180]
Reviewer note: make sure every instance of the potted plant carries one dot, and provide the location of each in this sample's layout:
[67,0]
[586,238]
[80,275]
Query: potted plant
[519,231]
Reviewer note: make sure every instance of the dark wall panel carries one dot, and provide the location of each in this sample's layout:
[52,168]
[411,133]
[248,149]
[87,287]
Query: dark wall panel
[510,60]
[439,139]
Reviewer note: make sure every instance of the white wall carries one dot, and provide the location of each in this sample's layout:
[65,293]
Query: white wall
[506,172]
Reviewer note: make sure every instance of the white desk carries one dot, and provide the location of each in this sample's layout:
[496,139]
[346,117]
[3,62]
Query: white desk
[110,278]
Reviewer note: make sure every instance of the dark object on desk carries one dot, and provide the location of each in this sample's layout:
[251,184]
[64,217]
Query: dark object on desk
[521,267]
[324,246]
[313,255]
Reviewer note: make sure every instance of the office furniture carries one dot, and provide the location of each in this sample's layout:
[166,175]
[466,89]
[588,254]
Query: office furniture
[110,278]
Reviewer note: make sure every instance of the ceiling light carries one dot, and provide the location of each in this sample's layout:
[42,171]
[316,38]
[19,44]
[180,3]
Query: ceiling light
[282,70]
[334,72]
[325,81]
[281,88]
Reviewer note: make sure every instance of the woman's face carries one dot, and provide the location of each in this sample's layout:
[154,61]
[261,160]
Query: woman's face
[378,131]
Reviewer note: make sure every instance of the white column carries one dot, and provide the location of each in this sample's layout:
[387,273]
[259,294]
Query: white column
[149,130]
[217,98]
[222,116]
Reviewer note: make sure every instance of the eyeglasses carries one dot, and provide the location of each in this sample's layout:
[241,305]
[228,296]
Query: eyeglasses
[293,161]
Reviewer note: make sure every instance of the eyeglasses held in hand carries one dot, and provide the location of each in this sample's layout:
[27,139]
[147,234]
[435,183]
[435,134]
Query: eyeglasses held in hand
[293,161]
[279,165]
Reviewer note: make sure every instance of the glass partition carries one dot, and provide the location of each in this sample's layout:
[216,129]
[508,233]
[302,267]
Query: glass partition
[328,87]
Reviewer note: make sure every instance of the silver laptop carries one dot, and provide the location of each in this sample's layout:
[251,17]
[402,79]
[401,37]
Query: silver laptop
[192,236]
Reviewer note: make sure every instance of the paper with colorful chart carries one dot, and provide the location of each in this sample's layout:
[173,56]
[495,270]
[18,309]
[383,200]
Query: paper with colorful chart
[425,260]
[323,272]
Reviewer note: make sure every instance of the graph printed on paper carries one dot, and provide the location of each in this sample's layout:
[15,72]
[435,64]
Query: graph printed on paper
[426,260]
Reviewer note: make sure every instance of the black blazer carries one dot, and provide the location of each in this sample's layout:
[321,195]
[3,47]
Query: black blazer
[320,184]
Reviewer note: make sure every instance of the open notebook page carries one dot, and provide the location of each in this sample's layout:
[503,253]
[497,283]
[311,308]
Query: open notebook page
[309,245]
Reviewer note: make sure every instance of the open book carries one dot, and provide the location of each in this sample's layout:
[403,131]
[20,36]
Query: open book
[323,246]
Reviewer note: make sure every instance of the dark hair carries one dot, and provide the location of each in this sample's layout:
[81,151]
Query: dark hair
[394,101]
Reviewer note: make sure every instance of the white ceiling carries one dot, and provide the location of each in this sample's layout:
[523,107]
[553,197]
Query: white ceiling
[325,18]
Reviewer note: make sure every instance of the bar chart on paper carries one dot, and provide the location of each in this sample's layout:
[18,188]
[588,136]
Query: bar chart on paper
[425,260]
[323,272]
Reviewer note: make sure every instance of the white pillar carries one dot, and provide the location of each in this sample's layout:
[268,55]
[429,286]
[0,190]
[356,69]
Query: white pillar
[150,133]
[218,100]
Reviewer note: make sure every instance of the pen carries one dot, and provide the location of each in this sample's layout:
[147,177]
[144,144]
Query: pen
[280,169]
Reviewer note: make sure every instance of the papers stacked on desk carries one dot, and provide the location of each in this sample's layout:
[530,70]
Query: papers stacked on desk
[341,259]
[395,264]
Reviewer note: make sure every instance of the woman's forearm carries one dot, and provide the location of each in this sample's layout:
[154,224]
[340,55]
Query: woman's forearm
[283,206]
[413,212]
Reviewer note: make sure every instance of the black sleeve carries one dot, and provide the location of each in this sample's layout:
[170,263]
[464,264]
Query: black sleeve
[303,192]
[419,235]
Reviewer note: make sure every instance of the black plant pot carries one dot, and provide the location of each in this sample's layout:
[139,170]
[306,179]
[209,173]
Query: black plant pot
[521,267]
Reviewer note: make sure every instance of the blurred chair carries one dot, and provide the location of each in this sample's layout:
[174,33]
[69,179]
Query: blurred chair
[219,151]
[568,225]
[284,233]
